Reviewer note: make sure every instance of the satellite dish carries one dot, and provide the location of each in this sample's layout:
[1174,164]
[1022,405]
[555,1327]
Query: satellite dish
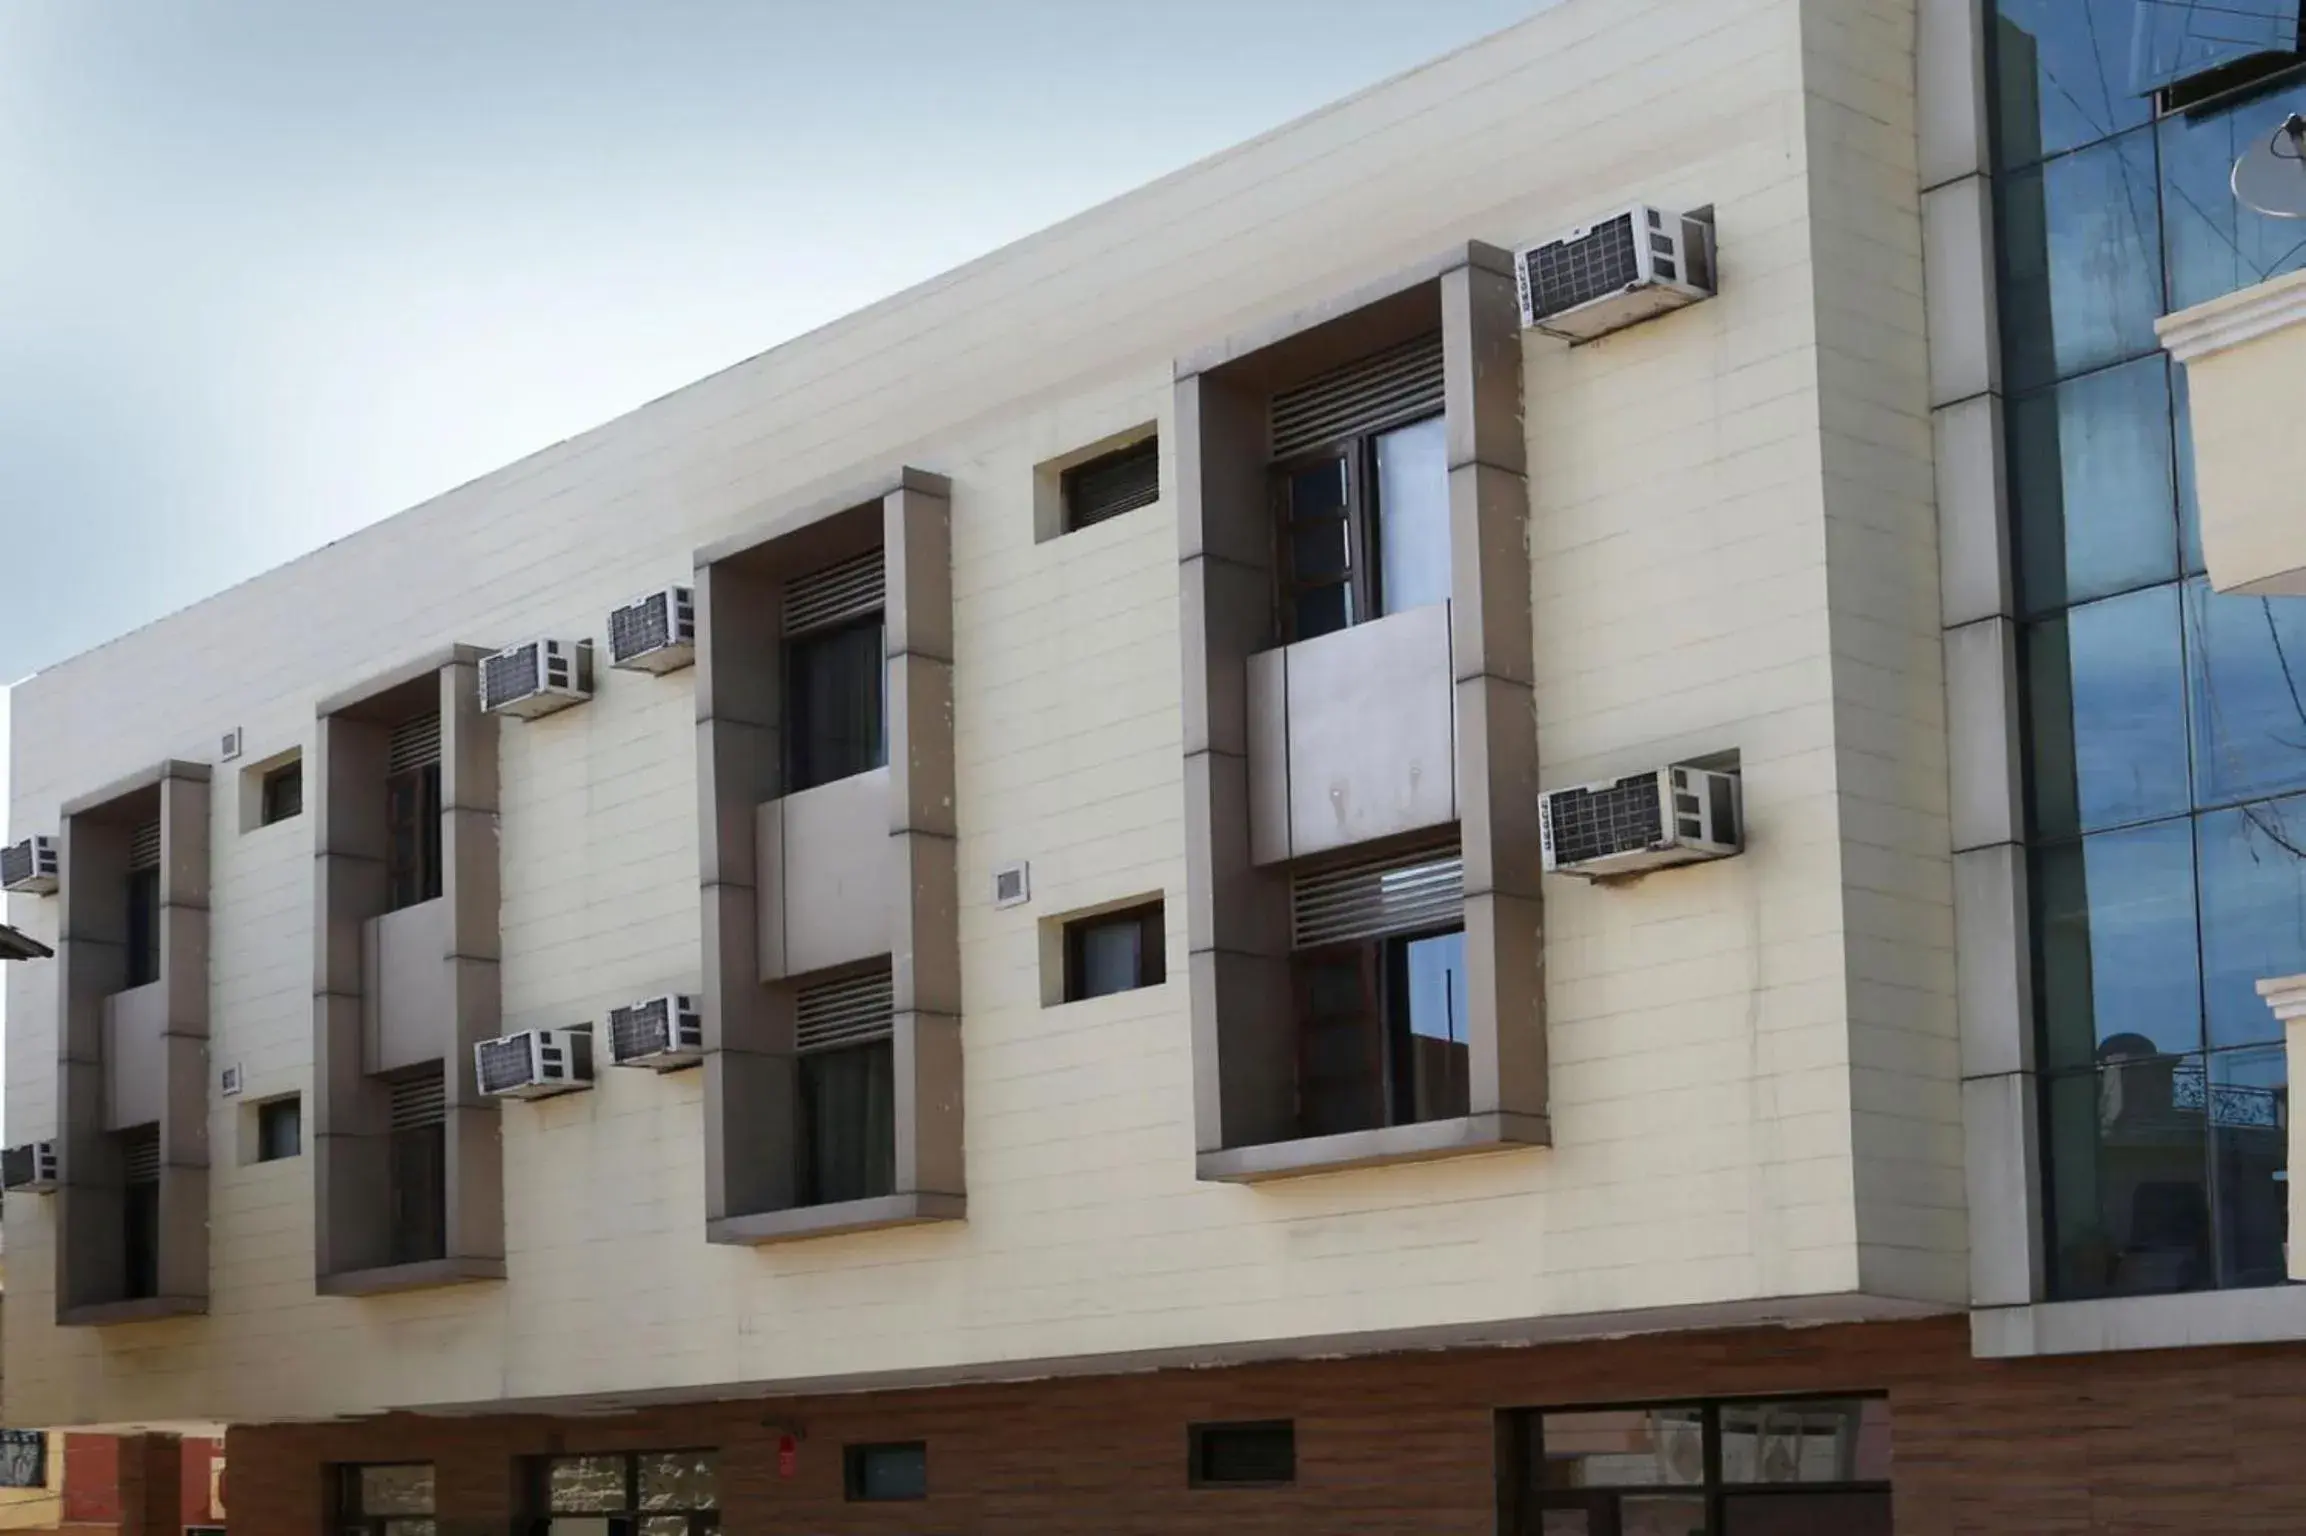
[2271,177]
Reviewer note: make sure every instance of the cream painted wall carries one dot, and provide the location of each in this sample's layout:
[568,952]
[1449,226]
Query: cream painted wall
[2244,354]
[1753,1083]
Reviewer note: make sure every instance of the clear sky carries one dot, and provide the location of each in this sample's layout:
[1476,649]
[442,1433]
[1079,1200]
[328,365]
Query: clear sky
[273,269]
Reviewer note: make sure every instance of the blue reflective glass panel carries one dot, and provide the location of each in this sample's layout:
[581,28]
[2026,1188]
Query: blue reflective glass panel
[2249,1108]
[2189,508]
[2174,40]
[2063,68]
[2215,244]
[2128,1179]
[2092,478]
[2246,677]
[2106,714]
[2082,262]
[2253,873]
[2114,934]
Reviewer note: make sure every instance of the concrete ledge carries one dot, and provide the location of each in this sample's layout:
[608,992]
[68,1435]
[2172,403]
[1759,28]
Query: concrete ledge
[1473,253]
[407,672]
[806,1221]
[2273,1315]
[815,506]
[1368,1149]
[424,1275]
[144,1309]
[122,788]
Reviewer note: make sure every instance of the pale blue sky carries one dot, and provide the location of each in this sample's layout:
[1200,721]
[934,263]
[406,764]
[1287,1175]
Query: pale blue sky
[273,269]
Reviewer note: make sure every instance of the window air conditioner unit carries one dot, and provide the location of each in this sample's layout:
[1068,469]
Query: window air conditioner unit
[536,678]
[661,1032]
[1615,272]
[535,1064]
[1645,821]
[29,866]
[656,633]
[30,1168]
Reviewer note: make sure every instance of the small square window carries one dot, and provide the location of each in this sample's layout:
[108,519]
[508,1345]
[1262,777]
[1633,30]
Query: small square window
[877,1472]
[1110,484]
[1115,952]
[282,794]
[279,1129]
[1259,1455]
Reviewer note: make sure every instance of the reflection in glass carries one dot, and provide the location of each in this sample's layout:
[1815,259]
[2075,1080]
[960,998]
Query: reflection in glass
[2114,927]
[2247,680]
[2082,262]
[679,1480]
[1413,516]
[2063,68]
[2189,506]
[1811,1441]
[2249,1127]
[2129,1209]
[2091,477]
[1625,1448]
[2253,862]
[2106,714]
[1431,1055]
[586,1485]
[394,1490]
[2217,244]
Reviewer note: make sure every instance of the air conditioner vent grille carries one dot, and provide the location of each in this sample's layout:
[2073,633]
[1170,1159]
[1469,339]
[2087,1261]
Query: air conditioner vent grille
[144,847]
[509,675]
[1400,893]
[1599,820]
[666,1031]
[29,865]
[853,589]
[851,1010]
[1573,272]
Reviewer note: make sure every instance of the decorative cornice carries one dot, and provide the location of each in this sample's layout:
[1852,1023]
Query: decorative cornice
[2286,995]
[2229,321]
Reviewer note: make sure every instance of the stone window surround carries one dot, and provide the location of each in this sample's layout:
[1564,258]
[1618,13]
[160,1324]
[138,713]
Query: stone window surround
[350,1109]
[91,964]
[1243,1026]
[749,1156]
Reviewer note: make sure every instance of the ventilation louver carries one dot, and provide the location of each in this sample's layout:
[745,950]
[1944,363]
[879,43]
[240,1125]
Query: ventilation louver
[656,633]
[415,743]
[419,1100]
[29,866]
[535,1064]
[144,847]
[538,677]
[1615,272]
[853,589]
[849,1010]
[30,1168]
[1677,815]
[1388,389]
[1398,893]
[664,1033]
[140,1155]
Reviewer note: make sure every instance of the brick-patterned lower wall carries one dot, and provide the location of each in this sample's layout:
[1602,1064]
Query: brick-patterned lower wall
[2198,1441]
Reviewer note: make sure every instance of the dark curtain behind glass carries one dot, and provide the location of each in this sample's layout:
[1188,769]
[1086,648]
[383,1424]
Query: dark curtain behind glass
[848,1123]
[834,725]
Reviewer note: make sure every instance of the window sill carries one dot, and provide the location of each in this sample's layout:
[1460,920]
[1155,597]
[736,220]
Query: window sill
[424,1274]
[1369,1149]
[2274,1314]
[807,1221]
[143,1309]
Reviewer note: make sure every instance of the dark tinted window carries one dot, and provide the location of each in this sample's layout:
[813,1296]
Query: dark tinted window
[1263,1453]
[143,927]
[418,1177]
[1115,952]
[874,1472]
[2106,701]
[412,832]
[279,1129]
[2128,1174]
[283,793]
[848,1123]
[2093,485]
[834,721]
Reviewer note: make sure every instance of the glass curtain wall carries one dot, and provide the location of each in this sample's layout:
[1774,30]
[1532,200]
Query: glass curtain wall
[2165,726]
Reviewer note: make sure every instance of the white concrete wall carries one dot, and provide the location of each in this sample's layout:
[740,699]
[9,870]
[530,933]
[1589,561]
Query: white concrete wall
[1752,1081]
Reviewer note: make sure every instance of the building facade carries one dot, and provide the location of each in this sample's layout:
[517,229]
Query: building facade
[1141,1076]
